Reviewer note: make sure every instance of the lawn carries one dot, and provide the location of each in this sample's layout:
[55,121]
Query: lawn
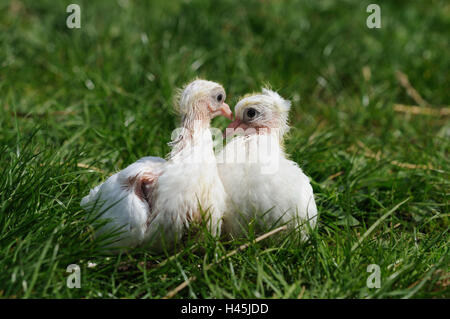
[370,126]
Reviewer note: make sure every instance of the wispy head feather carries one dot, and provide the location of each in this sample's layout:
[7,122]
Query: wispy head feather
[185,96]
[282,104]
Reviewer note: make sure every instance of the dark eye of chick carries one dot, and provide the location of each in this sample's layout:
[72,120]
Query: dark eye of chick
[251,112]
[219,98]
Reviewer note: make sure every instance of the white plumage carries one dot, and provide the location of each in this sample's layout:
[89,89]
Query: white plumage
[117,199]
[261,183]
[154,201]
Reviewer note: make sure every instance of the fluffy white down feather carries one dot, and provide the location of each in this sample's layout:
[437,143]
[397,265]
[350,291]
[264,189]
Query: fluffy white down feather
[120,205]
[189,184]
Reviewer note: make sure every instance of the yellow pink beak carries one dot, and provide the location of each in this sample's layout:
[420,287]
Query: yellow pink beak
[225,111]
[235,125]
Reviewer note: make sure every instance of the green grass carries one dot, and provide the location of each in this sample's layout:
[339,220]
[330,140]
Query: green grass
[102,96]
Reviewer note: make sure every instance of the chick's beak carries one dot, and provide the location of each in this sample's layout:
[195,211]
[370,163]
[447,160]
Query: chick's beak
[233,126]
[225,111]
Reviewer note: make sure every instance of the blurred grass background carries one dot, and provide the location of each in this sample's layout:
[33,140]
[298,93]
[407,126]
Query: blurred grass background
[101,97]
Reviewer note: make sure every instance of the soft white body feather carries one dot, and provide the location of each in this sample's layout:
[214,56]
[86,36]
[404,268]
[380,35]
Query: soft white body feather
[263,185]
[117,202]
[188,186]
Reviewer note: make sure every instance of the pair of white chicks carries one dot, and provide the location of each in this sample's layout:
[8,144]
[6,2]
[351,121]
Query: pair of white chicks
[153,202]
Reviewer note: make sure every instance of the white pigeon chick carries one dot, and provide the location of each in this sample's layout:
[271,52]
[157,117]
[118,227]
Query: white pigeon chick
[261,183]
[154,201]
